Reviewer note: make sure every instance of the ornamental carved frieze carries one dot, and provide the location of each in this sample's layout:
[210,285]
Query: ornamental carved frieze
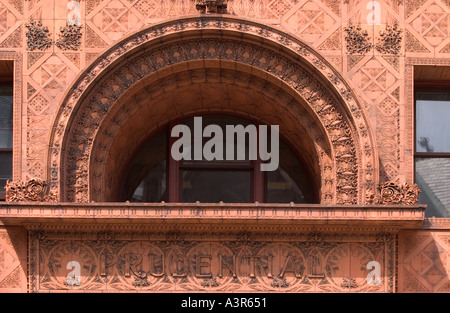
[393,192]
[347,130]
[34,190]
[262,262]
[390,40]
[211,6]
[358,40]
[38,36]
[69,37]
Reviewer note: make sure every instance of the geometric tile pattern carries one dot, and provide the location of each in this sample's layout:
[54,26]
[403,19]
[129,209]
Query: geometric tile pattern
[311,20]
[425,256]
[12,260]
[378,81]
[432,23]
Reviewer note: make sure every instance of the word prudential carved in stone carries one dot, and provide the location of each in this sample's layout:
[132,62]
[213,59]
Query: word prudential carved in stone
[184,263]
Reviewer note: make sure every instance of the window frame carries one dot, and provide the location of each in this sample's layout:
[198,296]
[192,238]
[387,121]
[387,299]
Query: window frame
[2,190]
[430,86]
[437,86]
[258,178]
[10,83]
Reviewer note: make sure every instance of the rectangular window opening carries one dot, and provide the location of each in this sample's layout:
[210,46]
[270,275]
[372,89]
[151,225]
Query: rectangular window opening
[432,138]
[6,124]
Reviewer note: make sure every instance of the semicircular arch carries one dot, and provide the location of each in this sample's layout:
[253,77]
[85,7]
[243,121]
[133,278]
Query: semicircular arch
[300,75]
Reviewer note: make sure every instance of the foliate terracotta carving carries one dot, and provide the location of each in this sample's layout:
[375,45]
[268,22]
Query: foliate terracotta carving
[391,193]
[394,193]
[211,6]
[410,193]
[390,41]
[357,40]
[349,282]
[69,38]
[32,190]
[37,36]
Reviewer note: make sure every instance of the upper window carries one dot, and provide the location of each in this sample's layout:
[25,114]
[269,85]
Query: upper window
[432,145]
[154,175]
[6,130]
[432,121]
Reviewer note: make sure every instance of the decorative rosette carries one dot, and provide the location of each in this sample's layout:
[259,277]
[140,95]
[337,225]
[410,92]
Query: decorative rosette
[390,193]
[32,190]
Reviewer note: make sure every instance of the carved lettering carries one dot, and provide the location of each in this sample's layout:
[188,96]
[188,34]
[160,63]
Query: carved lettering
[179,268]
[203,262]
[156,262]
[107,260]
[224,264]
[127,264]
[252,264]
[290,266]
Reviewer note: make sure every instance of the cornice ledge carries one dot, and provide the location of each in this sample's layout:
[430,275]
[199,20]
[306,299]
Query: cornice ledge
[400,216]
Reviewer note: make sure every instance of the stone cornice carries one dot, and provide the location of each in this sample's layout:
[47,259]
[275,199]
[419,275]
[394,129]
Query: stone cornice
[378,216]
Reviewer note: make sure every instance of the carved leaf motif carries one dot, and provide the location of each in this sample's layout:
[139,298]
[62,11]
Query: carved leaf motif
[395,193]
[37,36]
[390,40]
[357,40]
[69,38]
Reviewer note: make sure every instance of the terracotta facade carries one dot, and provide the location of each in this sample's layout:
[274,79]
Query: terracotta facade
[94,78]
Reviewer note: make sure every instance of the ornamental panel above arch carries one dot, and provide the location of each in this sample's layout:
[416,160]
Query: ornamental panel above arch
[89,110]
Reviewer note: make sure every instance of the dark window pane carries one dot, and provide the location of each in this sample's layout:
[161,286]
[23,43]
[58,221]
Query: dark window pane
[213,186]
[285,185]
[6,116]
[5,168]
[281,188]
[432,122]
[210,143]
[433,179]
[147,178]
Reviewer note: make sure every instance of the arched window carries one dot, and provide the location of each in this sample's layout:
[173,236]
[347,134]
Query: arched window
[155,174]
